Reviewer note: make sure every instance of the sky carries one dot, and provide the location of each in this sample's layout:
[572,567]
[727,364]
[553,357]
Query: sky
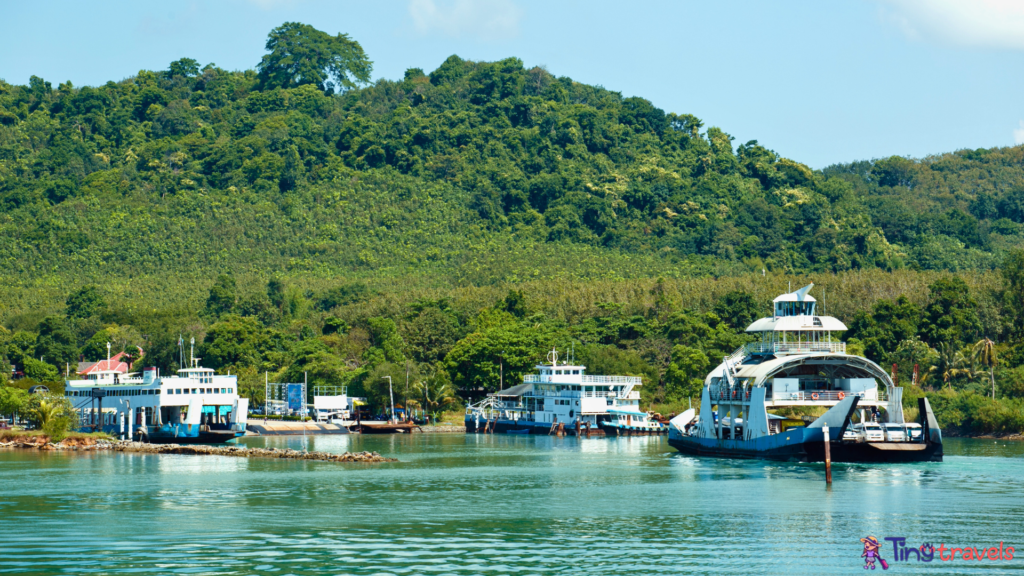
[818,82]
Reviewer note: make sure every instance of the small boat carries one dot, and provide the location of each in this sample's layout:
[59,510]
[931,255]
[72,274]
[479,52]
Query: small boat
[522,431]
[387,428]
[632,423]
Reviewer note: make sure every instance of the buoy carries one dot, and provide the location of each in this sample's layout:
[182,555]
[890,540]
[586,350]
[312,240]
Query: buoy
[841,395]
[814,396]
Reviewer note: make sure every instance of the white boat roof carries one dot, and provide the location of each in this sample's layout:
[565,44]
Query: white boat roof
[626,412]
[800,295]
[797,324]
[760,372]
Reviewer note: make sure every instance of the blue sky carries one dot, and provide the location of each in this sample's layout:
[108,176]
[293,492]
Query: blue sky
[819,82]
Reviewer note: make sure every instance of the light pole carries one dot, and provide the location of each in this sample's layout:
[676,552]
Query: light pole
[391,393]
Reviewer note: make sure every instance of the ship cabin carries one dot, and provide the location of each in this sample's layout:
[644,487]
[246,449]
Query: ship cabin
[799,360]
[562,393]
[101,397]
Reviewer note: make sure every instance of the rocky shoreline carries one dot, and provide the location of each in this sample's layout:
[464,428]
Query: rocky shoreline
[77,445]
[442,429]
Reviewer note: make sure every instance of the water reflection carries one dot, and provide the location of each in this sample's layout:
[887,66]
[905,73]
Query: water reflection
[501,504]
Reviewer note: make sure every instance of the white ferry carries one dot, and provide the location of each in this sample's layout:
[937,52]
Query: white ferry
[796,363]
[195,406]
[562,397]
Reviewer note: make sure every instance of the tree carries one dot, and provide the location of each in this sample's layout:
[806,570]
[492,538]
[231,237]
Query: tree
[500,346]
[431,334]
[53,413]
[387,345]
[951,365]
[985,353]
[685,375]
[433,391]
[85,302]
[1013,273]
[222,296]
[951,314]
[39,371]
[514,303]
[186,67]
[301,54]
[56,343]
[122,338]
[738,308]
[12,400]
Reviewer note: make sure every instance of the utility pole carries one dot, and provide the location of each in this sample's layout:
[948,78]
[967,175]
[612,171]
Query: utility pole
[391,393]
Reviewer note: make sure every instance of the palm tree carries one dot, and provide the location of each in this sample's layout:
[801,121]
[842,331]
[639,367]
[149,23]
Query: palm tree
[985,352]
[434,388]
[951,364]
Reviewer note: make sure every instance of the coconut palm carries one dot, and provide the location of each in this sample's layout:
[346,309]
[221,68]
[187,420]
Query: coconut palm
[951,364]
[985,353]
[433,391]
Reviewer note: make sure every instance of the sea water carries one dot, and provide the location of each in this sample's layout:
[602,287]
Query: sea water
[500,504]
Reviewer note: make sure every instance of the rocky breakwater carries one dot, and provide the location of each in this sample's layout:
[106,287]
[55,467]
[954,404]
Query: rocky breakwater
[91,444]
[241,451]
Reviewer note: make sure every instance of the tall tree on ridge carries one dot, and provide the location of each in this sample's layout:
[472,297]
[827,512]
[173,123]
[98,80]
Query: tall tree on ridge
[301,54]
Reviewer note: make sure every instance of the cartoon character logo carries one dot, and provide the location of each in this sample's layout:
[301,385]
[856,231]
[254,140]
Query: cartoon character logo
[870,555]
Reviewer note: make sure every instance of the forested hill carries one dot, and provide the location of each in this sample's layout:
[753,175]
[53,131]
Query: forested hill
[477,172]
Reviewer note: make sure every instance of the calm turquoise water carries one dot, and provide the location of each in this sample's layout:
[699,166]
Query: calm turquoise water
[497,505]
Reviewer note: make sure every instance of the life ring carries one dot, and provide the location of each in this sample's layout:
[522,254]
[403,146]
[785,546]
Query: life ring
[734,394]
[814,396]
[841,396]
[748,394]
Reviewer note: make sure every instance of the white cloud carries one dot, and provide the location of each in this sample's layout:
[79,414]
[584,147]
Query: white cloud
[1018,134]
[484,19]
[978,23]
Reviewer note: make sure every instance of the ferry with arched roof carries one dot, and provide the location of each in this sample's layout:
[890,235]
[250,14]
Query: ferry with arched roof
[799,361]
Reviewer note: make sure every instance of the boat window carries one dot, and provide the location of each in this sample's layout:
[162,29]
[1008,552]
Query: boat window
[575,371]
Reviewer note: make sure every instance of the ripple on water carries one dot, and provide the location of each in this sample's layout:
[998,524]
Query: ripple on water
[493,505]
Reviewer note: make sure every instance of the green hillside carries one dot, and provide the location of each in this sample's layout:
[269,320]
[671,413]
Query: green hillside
[354,230]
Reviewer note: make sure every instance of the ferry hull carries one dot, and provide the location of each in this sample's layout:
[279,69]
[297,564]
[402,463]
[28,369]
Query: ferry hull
[613,430]
[523,427]
[804,447]
[210,437]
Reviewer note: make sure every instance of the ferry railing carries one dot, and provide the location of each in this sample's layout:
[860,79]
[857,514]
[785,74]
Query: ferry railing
[792,348]
[719,392]
[576,379]
[826,395]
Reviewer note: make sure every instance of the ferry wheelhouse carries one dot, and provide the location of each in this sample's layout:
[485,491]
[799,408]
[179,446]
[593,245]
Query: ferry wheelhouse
[797,360]
[195,406]
[562,397]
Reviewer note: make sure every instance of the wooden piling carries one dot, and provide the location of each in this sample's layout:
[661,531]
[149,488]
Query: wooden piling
[828,457]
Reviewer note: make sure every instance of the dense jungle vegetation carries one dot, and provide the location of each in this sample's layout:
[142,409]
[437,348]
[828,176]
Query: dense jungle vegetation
[298,218]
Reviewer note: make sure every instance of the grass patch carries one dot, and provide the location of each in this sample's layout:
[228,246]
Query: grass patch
[12,435]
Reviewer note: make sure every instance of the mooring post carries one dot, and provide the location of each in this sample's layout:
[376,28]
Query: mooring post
[828,457]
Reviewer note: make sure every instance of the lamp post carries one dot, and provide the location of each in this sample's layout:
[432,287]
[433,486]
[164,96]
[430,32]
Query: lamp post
[391,393]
